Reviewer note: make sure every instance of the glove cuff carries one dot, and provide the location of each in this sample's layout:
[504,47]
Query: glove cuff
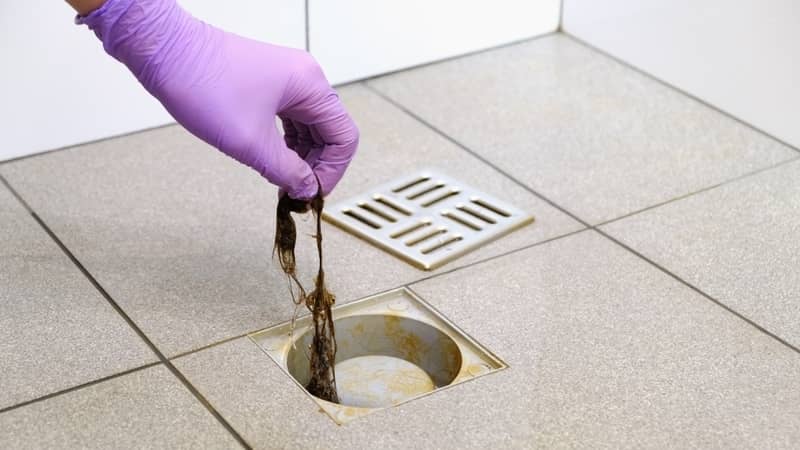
[137,32]
[103,18]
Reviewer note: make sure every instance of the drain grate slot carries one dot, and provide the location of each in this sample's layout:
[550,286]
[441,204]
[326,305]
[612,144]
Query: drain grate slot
[460,220]
[426,190]
[476,214]
[360,218]
[425,237]
[388,203]
[409,185]
[440,198]
[426,218]
[377,212]
[490,207]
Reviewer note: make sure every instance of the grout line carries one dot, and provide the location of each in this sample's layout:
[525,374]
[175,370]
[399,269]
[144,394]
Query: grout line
[700,191]
[15,193]
[141,334]
[216,343]
[405,284]
[308,32]
[81,144]
[78,387]
[475,154]
[97,285]
[676,88]
[697,290]
[561,17]
[207,404]
[130,321]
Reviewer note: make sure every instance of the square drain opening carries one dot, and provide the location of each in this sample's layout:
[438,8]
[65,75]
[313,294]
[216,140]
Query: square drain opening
[392,348]
[426,218]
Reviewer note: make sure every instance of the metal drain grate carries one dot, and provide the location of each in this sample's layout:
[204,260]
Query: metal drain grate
[426,218]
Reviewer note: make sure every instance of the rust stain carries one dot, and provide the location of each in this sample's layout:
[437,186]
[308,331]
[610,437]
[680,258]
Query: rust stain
[392,322]
[409,383]
[452,358]
[408,345]
[348,411]
[357,330]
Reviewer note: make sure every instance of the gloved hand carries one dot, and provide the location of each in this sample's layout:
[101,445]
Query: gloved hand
[227,90]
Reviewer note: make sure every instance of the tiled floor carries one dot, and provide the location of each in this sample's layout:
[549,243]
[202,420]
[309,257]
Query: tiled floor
[654,303]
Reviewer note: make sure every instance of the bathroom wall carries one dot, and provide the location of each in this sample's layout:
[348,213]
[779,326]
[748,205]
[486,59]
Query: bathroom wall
[738,55]
[58,88]
[354,39]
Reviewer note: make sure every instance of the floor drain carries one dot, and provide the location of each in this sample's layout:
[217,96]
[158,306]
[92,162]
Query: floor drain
[426,218]
[392,348]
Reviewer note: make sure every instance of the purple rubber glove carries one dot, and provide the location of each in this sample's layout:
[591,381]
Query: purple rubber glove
[227,90]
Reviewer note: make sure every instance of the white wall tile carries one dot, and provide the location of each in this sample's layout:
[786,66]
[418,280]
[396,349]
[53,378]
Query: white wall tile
[740,56]
[354,39]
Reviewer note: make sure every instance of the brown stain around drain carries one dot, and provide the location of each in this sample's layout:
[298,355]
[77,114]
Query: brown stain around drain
[452,361]
[409,345]
[409,383]
[357,330]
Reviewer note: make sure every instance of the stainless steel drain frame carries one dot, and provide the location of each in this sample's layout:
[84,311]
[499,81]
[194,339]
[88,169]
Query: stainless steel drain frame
[283,344]
[426,218]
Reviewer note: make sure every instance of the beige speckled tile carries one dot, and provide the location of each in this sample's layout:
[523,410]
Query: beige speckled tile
[594,136]
[739,243]
[181,236]
[605,351]
[149,408]
[56,330]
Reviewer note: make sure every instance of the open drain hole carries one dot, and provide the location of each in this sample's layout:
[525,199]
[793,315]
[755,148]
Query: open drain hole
[383,360]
